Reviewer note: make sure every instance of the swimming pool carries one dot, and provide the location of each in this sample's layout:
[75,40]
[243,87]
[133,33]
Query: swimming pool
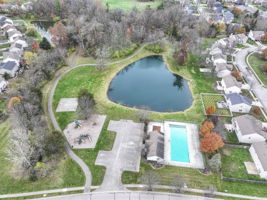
[179,144]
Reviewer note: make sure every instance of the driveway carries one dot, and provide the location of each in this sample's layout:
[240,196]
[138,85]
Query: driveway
[258,89]
[125,154]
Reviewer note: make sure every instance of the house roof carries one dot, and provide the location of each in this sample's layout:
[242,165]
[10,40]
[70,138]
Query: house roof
[231,81]
[11,55]
[249,125]
[238,99]
[155,144]
[10,65]
[258,34]
[223,66]
[261,151]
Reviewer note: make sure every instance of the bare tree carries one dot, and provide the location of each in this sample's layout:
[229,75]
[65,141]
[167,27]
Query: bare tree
[150,178]
[102,55]
[143,113]
[20,150]
[178,183]
[85,104]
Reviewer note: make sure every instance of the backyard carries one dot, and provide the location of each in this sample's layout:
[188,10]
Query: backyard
[211,100]
[257,64]
[233,163]
[130,4]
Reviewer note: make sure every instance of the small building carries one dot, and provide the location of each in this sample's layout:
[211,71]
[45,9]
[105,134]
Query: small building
[13,35]
[10,67]
[155,147]
[248,129]
[228,17]
[258,152]
[21,42]
[231,85]
[238,103]
[256,35]
[16,48]
[219,58]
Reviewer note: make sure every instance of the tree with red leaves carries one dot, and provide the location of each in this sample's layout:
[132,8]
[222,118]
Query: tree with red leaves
[206,128]
[264,37]
[210,110]
[265,67]
[35,46]
[211,142]
[237,75]
[59,34]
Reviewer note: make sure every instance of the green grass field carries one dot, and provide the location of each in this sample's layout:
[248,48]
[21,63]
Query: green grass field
[211,100]
[130,4]
[233,164]
[256,63]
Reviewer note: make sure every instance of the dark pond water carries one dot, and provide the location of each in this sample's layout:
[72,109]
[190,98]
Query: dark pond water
[148,83]
[43,28]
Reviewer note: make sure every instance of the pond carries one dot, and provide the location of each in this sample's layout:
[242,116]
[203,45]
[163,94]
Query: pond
[43,28]
[149,84]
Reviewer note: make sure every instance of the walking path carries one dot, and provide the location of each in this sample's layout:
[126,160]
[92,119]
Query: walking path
[241,62]
[81,163]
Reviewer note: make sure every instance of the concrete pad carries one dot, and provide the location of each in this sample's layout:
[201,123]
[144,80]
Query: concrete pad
[125,154]
[91,127]
[251,168]
[67,105]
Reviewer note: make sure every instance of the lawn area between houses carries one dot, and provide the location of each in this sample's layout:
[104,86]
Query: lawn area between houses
[130,4]
[233,164]
[257,63]
[68,173]
[211,100]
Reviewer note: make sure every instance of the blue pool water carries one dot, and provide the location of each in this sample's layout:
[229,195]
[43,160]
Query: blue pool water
[179,144]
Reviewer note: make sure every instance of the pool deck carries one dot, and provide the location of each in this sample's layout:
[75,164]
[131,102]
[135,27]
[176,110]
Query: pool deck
[195,156]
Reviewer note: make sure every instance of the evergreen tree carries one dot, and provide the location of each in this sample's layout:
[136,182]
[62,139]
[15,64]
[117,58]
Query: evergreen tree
[44,44]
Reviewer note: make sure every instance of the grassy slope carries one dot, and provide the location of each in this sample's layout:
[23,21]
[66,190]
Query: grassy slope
[129,4]
[257,63]
[68,173]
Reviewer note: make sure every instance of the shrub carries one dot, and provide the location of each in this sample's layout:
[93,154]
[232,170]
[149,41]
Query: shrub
[215,163]
[257,111]
[124,52]
[44,44]
[155,48]
[31,32]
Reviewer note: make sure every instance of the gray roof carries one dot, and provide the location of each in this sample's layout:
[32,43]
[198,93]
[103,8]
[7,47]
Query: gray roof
[11,55]
[250,125]
[10,65]
[155,144]
[218,56]
[223,66]
[19,46]
[237,99]
[11,33]
[261,151]
[231,81]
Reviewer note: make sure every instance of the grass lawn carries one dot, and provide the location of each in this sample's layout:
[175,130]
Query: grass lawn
[195,179]
[211,100]
[233,163]
[130,4]
[256,63]
[232,138]
[4,46]
[68,173]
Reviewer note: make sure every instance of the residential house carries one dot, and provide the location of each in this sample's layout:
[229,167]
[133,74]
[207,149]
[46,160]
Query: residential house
[11,56]
[13,35]
[16,48]
[10,67]
[248,129]
[256,35]
[231,85]
[223,69]
[22,42]
[219,58]
[155,145]
[258,152]
[238,103]
[247,9]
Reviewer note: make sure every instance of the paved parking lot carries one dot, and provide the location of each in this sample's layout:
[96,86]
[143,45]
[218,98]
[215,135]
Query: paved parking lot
[125,155]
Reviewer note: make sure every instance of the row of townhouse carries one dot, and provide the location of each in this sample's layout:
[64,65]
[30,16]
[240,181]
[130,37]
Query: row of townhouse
[11,58]
[247,128]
